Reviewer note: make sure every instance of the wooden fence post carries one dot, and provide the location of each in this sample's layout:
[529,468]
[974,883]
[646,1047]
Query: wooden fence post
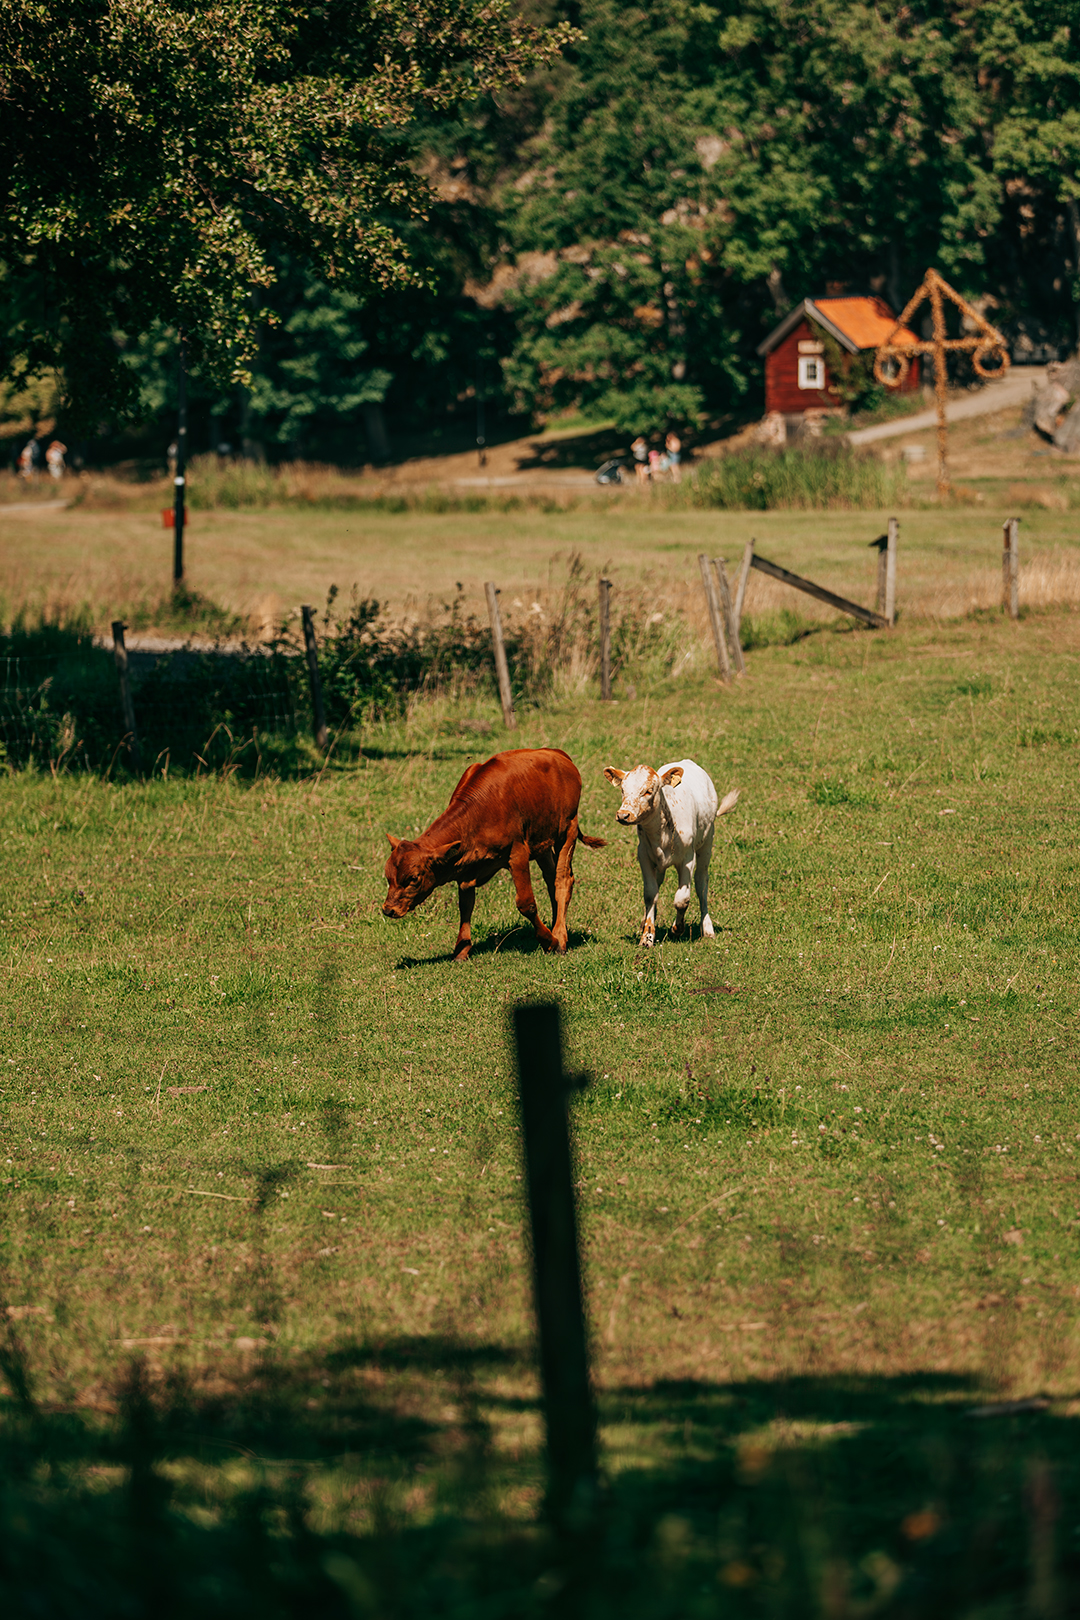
[605,641]
[729,616]
[888,607]
[322,735]
[882,544]
[564,1364]
[127,707]
[740,588]
[502,668]
[713,603]
[1010,568]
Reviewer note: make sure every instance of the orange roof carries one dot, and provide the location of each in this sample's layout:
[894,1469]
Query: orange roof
[868,322]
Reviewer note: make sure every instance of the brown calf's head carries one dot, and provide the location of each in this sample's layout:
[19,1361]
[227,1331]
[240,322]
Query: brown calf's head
[412,872]
[641,791]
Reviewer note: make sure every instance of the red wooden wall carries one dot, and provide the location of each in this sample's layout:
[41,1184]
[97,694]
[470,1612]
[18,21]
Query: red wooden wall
[782,391]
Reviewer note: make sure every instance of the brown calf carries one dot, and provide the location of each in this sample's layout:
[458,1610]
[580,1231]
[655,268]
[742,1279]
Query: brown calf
[514,808]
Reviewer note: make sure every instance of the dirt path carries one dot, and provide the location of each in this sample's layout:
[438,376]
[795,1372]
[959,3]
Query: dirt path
[996,396]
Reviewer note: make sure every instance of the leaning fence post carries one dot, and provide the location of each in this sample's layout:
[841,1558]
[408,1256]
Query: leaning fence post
[713,603]
[127,707]
[502,668]
[1010,568]
[740,588]
[729,616]
[322,735]
[564,1363]
[605,641]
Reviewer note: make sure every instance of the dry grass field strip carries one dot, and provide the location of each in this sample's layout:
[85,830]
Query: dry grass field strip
[263,564]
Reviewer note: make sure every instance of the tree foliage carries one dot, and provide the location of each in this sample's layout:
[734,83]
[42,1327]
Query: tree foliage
[701,166]
[426,190]
[158,155]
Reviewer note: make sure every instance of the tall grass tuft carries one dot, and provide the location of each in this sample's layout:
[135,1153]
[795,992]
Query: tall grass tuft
[827,477]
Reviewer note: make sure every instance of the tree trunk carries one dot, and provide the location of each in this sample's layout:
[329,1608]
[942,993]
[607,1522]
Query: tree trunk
[1074,221]
[377,437]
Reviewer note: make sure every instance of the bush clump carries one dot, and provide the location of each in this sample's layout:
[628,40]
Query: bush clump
[826,477]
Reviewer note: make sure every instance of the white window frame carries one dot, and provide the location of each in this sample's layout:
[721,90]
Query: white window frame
[806,361]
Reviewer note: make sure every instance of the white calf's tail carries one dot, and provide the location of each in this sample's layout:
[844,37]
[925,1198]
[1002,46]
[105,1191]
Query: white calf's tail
[728,802]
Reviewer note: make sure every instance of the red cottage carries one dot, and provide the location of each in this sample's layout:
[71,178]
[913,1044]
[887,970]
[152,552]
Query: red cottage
[796,371]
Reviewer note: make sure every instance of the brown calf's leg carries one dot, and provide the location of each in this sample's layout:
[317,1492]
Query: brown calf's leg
[564,885]
[526,900]
[545,860]
[466,899]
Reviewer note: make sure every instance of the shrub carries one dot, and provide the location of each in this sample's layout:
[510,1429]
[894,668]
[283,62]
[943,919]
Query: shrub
[826,476]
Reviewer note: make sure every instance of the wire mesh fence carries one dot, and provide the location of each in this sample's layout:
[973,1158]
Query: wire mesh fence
[60,704]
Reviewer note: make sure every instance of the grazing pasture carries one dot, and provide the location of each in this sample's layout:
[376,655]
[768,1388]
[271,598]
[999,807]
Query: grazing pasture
[263,1248]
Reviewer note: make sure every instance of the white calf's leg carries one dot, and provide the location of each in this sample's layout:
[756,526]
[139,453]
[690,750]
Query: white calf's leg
[701,884]
[682,896]
[651,880]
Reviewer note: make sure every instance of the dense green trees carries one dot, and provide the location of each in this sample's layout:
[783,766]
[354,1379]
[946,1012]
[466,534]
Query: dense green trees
[158,156]
[702,166]
[618,226]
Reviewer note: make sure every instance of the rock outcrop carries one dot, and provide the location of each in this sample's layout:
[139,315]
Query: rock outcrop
[1056,406]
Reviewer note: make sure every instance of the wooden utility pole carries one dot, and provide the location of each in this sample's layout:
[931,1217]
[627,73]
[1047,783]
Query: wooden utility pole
[564,1360]
[712,601]
[311,647]
[180,470]
[127,707]
[502,668]
[1010,568]
[605,641]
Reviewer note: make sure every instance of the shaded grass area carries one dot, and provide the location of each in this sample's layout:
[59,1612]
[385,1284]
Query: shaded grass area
[313,1489]
[265,1141]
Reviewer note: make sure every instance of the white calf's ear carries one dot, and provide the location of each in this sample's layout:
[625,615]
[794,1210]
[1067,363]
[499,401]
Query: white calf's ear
[616,778]
[673,777]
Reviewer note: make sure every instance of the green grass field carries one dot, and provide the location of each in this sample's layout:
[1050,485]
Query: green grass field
[268,1305]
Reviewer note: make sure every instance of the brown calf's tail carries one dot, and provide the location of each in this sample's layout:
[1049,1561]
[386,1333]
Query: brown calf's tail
[593,843]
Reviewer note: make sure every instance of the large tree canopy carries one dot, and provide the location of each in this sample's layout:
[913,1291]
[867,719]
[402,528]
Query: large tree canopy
[157,157]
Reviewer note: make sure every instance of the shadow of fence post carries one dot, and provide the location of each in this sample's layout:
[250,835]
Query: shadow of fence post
[570,1415]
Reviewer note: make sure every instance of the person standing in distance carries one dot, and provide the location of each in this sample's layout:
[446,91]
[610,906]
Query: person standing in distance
[640,451]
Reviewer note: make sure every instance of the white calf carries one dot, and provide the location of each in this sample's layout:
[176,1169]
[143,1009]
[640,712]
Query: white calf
[674,810]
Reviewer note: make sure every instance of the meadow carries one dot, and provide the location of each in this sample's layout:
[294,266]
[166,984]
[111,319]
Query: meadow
[268,1318]
[261,564]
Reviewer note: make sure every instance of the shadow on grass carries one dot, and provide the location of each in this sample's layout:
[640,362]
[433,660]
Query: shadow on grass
[369,1481]
[519,941]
